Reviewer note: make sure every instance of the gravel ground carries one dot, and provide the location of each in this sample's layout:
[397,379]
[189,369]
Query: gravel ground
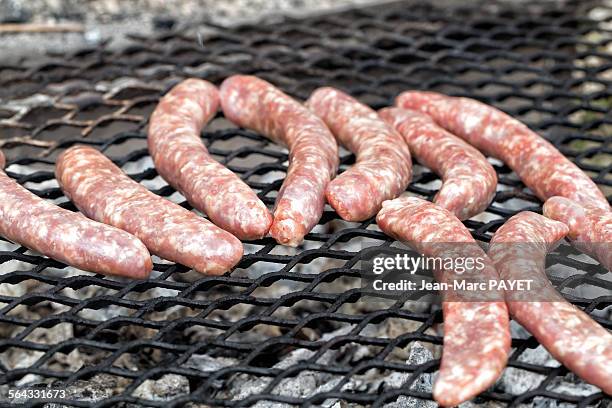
[111,20]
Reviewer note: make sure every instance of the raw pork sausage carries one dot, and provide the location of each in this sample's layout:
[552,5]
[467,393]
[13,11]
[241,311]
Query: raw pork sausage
[69,237]
[476,333]
[103,192]
[253,103]
[383,165]
[537,162]
[590,228]
[519,250]
[181,158]
[469,180]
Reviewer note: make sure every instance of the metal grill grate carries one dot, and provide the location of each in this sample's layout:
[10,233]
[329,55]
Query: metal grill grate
[291,326]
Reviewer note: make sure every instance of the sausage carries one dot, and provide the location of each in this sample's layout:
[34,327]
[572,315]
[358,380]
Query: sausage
[519,250]
[103,192]
[67,236]
[590,228]
[253,103]
[383,165]
[476,333]
[469,181]
[183,161]
[2,160]
[537,162]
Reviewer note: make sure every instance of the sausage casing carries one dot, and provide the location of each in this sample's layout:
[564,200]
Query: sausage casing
[253,103]
[67,236]
[590,228]
[476,333]
[103,192]
[383,165]
[469,181]
[183,161]
[519,249]
[537,162]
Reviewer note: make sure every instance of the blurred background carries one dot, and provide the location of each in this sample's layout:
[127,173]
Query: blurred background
[31,27]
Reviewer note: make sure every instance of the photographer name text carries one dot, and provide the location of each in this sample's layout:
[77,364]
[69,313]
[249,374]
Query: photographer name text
[456,285]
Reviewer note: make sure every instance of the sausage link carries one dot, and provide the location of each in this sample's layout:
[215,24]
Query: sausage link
[537,162]
[183,161]
[590,228]
[103,192]
[469,181]
[383,165]
[568,333]
[476,333]
[68,237]
[253,103]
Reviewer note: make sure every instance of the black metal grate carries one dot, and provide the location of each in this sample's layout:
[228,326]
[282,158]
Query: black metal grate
[289,320]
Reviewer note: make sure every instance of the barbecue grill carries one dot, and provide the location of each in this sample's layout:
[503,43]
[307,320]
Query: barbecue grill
[291,327]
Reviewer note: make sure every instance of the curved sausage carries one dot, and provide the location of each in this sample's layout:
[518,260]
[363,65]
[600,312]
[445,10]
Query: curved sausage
[538,163]
[383,165]
[183,161]
[469,181]
[476,333]
[590,228]
[67,236]
[103,192]
[253,103]
[568,333]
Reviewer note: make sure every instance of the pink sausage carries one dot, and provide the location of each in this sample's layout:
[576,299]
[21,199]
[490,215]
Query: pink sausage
[183,161]
[538,163]
[68,237]
[253,103]
[383,165]
[590,228]
[476,333]
[103,192]
[568,333]
[469,181]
